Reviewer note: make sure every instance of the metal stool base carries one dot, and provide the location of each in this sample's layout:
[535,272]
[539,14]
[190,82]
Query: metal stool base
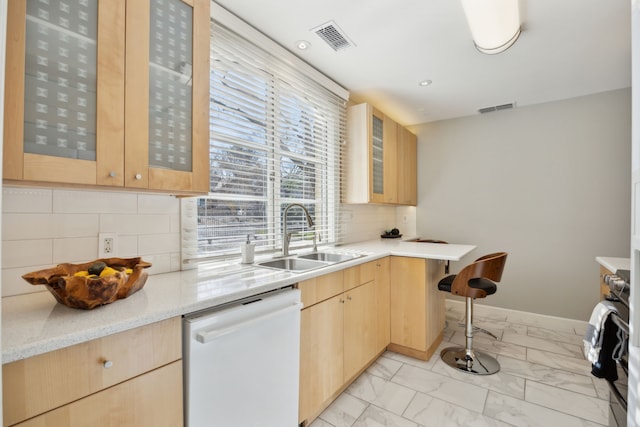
[480,363]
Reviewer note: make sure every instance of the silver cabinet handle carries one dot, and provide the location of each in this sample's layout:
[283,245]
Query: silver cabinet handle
[112,174]
[138,176]
[107,364]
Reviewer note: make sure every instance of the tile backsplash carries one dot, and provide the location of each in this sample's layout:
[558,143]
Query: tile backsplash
[44,227]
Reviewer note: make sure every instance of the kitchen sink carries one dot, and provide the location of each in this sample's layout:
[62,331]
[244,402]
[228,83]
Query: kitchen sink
[331,257]
[293,264]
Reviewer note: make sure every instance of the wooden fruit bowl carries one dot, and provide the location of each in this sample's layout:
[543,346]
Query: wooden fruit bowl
[89,292]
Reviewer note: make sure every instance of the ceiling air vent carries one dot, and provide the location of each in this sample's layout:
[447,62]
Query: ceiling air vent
[497,108]
[333,36]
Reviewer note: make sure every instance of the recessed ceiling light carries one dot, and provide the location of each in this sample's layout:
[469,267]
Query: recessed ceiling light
[303,44]
[425,83]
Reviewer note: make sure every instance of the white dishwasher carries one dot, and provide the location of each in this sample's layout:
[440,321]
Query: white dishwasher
[241,362]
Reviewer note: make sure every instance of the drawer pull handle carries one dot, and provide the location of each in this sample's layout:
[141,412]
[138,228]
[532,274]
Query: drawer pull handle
[138,176]
[107,364]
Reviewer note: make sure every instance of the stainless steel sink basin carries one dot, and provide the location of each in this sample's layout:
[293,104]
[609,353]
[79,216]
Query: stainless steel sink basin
[331,257]
[293,264]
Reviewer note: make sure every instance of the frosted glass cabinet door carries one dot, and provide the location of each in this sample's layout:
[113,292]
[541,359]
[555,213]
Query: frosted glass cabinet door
[168,67]
[57,113]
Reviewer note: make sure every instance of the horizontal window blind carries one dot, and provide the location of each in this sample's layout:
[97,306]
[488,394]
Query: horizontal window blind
[275,139]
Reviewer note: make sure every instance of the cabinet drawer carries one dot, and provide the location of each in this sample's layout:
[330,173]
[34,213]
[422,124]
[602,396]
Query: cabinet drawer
[321,288]
[359,275]
[40,383]
[153,399]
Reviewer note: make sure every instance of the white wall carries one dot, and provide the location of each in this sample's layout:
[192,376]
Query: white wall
[547,183]
[43,227]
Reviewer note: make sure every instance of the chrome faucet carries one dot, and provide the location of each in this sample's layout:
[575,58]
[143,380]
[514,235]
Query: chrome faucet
[286,236]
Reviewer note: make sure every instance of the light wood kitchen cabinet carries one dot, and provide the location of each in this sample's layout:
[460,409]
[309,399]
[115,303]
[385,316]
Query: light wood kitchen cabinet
[360,328]
[417,306]
[149,400]
[383,317]
[321,354]
[87,105]
[390,160]
[374,158]
[339,334]
[74,381]
[408,170]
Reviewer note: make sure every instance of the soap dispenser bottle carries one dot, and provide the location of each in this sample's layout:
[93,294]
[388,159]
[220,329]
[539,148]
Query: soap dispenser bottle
[248,250]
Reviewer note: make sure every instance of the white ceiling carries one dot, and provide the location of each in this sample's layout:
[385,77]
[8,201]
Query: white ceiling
[567,48]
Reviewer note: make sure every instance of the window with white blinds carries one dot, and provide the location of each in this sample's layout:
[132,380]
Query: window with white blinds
[275,138]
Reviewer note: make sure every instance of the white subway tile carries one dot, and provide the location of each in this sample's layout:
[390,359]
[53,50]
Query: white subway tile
[18,199]
[158,204]
[22,253]
[175,261]
[174,220]
[159,263]
[79,201]
[27,226]
[75,250]
[14,284]
[135,224]
[159,243]
[127,246]
[75,225]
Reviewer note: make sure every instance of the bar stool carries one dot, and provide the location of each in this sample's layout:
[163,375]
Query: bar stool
[476,280]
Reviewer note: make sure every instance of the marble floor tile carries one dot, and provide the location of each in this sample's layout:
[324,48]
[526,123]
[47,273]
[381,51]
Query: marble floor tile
[431,412]
[569,402]
[565,337]
[546,322]
[344,411]
[378,417]
[544,380]
[543,344]
[492,346]
[422,364]
[557,361]
[525,414]
[546,375]
[442,387]
[501,382]
[385,394]
[384,367]
[320,423]
[483,313]
[602,387]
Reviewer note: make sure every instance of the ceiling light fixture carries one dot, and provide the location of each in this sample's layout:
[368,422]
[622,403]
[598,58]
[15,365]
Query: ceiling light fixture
[494,24]
[303,44]
[425,83]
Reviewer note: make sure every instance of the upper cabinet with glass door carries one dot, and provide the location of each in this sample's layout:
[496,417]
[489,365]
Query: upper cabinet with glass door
[380,159]
[77,95]
[167,102]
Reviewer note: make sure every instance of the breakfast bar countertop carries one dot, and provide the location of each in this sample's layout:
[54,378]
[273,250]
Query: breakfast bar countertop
[35,323]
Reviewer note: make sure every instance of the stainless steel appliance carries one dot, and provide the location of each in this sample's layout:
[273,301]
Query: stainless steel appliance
[619,296]
[242,362]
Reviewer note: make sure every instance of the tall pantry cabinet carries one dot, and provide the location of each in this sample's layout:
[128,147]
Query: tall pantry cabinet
[108,93]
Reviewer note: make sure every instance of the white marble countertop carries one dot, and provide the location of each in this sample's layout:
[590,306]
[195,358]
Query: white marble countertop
[35,323]
[612,264]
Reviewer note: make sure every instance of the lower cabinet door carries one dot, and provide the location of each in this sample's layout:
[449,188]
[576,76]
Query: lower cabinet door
[321,354]
[153,399]
[360,328]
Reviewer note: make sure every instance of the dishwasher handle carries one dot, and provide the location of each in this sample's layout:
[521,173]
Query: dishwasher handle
[207,336]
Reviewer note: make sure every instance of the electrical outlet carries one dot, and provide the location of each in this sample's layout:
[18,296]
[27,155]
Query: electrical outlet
[107,243]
